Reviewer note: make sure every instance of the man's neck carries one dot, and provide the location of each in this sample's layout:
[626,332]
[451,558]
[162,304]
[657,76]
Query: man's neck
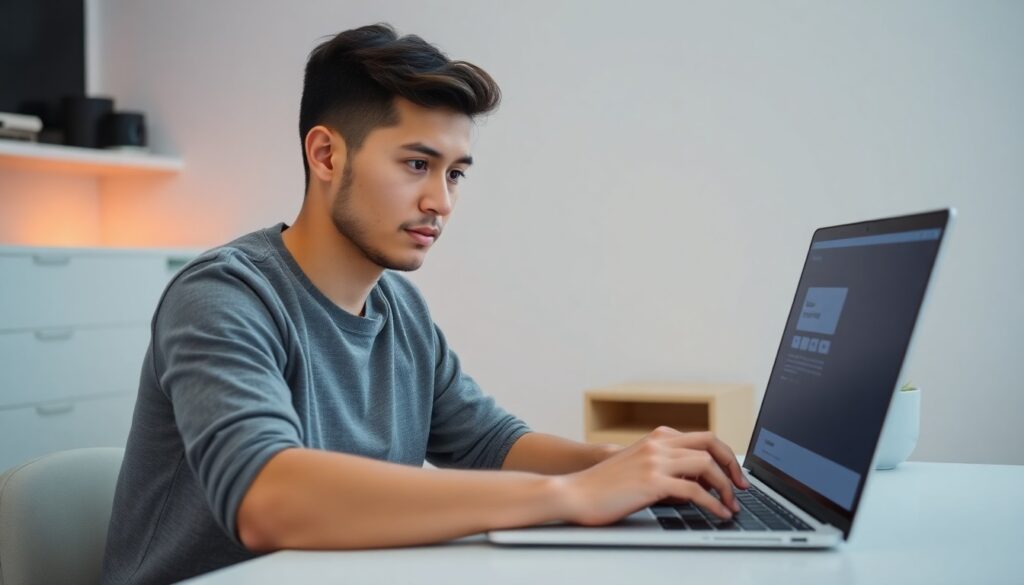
[332,262]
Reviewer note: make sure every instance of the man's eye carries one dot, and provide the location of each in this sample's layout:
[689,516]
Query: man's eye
[417,164]
[455,175]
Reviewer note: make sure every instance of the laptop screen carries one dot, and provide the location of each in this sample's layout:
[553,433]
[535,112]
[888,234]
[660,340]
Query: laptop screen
[841,354]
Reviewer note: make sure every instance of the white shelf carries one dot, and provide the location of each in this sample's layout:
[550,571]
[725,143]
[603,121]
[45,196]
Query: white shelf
[83,161]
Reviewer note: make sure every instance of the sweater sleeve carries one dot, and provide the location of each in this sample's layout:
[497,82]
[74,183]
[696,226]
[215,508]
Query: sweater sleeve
[219,358]
[468,429]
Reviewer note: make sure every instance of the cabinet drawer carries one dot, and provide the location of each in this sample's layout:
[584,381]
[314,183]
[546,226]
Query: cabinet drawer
[29,432]
[56,289]
[57,364]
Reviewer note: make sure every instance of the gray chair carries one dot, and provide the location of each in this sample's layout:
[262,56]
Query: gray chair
[54,513]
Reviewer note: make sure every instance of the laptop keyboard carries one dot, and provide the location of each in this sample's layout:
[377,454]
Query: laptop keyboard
[757,512]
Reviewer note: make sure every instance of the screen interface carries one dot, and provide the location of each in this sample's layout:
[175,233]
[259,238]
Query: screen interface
[843,347]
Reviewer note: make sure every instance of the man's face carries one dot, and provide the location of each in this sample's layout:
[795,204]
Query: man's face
[402,184]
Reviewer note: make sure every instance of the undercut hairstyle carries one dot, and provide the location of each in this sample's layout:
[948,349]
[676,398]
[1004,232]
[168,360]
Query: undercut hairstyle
[352,81]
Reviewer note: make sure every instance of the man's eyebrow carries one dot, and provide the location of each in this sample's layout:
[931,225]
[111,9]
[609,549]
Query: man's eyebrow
[424,149]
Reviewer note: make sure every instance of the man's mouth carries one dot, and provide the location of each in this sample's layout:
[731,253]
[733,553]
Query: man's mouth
[426,231]
[423,236]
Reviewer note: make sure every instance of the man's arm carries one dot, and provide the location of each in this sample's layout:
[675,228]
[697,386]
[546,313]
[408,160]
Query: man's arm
[311,499]
[551,455]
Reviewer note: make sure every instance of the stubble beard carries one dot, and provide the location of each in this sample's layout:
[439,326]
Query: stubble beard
[349,226]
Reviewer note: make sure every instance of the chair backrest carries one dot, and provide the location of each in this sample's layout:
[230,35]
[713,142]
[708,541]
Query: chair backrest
[54,513]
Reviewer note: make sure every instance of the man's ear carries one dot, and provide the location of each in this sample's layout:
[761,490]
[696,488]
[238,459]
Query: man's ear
[325,153]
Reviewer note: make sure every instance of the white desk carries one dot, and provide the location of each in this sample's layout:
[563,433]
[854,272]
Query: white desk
[920,523]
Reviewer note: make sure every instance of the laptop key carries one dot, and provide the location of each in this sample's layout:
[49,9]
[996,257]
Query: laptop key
[698,524]
[789,518]
[751,525]
[769,512]
[773,521]
[664,511]
[748,521]
[689,512]
[671,523]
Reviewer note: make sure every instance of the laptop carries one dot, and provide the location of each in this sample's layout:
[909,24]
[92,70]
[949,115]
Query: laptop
[813,446]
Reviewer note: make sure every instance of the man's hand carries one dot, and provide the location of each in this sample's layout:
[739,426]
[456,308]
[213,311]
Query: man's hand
[666,464]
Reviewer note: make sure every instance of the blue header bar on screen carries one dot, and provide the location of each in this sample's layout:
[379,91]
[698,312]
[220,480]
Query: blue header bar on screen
[896,238]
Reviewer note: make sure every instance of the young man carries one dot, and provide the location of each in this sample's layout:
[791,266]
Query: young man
[295,383]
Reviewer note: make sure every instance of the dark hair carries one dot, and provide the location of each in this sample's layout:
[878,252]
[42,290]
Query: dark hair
[352,80]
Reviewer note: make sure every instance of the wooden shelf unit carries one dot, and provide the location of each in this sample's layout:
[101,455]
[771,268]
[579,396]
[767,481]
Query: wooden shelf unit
[624,413]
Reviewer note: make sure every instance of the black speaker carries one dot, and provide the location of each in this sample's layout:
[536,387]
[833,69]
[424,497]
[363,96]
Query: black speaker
[123,129]
[82,117]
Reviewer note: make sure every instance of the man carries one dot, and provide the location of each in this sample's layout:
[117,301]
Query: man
[295,383]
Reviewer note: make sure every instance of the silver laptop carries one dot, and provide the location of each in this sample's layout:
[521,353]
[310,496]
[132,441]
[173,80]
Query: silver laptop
[812,449]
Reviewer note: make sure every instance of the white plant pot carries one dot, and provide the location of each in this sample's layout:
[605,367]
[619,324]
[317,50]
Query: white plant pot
[902,427]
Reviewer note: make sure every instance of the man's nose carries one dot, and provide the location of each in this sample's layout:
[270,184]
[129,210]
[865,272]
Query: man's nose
[437,198]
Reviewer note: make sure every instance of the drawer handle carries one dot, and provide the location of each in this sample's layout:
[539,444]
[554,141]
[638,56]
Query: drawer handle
[55,409]
[54,334]
[51,259]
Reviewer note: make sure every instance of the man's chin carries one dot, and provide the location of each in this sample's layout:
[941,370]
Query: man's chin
[402,264]
[408,267]
[395,260]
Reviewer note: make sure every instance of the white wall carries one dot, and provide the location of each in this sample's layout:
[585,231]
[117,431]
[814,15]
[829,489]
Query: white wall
[644,198]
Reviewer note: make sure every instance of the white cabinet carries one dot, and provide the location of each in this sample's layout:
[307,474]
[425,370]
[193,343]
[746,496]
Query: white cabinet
[74,328]
[42,365]
[60,288]
[95,421]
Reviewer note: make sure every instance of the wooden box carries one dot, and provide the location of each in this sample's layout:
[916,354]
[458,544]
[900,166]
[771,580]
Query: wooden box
[624,413]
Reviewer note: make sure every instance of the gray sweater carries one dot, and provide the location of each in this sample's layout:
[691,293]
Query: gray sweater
[248,358]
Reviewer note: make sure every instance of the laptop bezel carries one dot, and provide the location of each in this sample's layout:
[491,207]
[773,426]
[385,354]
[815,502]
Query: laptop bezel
[793,490]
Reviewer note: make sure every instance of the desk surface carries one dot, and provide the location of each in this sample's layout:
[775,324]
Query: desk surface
[919,523]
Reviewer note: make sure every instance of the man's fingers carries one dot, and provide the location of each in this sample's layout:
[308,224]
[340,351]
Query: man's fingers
[699,464]
[732,467]
[722,453]
[690,490]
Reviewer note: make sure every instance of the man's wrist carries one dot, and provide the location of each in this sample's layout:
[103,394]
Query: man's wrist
[603,451]
[606,450]
[537,499]
[560,493]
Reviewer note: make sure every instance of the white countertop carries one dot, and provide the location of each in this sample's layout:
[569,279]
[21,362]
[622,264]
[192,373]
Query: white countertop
[919,523]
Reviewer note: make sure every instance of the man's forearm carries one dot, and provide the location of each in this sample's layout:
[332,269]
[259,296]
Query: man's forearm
[548,454]
[311,499]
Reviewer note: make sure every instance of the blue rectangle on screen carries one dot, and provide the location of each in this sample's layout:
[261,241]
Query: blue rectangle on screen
[821,309]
